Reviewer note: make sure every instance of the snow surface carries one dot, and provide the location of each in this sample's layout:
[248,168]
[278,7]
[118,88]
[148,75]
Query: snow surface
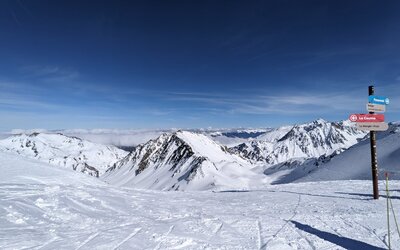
[202,145]
[275,134]
[43,207]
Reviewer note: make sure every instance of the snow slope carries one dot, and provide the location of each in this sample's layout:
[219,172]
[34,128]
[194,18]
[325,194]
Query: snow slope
[355,163]
[42,207]
[310,140]
[183,161]
[60,150]
[293,169]
[17,170]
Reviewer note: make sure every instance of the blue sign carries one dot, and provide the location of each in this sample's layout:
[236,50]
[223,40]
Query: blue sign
[378,100]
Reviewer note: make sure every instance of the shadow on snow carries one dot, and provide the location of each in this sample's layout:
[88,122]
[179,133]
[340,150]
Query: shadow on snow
[341,241]
[319,195]
[370,195]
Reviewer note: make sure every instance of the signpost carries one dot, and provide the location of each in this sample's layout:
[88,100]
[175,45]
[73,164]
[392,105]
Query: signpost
[373,122]
[372,139]
[379,108]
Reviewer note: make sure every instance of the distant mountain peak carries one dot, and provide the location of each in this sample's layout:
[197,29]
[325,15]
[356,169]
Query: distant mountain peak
[308,140]
[321,121]
[181,160]
[64,151]
[34,134]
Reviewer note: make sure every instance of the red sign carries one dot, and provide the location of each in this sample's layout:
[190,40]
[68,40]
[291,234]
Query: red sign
[367,118]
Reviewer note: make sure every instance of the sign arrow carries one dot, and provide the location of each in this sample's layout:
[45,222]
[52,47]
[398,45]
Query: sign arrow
[374,99]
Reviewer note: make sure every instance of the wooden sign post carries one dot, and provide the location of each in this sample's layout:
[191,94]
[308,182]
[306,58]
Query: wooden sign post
[374,160]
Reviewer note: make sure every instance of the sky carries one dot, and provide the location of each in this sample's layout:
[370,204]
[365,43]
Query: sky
[194,64]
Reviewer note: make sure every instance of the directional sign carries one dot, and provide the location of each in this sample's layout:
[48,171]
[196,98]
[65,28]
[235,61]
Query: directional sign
[367,118]
[379,108]
[372,126]
[378,100]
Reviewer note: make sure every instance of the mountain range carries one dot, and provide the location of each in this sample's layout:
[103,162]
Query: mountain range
[198,160]
[309,140]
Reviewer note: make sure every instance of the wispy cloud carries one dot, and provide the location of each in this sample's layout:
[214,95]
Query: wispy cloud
[20,102]
[93,104]
[22,96]
[49,73]
[286,104]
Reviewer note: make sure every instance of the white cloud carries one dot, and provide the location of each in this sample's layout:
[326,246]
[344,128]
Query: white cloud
[299,103]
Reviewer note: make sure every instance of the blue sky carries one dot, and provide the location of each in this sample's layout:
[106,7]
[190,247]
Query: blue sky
[193,64]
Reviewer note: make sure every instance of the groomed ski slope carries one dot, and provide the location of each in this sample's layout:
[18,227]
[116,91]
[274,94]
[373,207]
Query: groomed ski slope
[43,207]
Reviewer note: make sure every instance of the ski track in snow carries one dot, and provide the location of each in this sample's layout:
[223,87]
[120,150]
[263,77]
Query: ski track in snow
[164,237]
[61,218]
[259,239]
[284,225]
[59,209]
[91,237]
[127,238]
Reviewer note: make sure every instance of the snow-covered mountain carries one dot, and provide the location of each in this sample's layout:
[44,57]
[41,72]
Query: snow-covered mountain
[60,150]
[304,141]
[355,163]
[182,161]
